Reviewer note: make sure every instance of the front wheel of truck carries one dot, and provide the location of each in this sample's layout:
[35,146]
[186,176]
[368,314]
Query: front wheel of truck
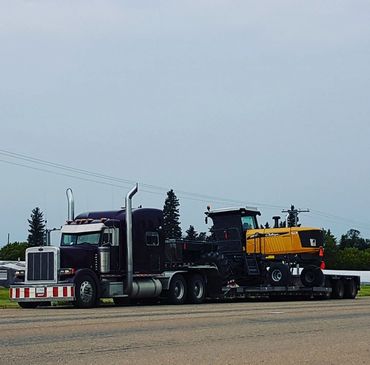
[85,292]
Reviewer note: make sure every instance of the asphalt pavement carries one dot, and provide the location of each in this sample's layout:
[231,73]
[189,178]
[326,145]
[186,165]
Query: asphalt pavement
[293,332]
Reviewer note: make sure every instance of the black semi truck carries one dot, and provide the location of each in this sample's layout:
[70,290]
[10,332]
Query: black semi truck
[124,255]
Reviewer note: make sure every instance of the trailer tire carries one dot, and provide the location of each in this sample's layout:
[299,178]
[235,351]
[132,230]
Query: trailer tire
[278,274]
[196,289]
[350,289]
[85,292]
[28,305]
[312,276]
[338,289]
[177,291]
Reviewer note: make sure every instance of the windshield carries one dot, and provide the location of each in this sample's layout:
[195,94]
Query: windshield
[72,239]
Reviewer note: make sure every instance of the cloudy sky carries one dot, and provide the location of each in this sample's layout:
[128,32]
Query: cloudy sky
[263,103]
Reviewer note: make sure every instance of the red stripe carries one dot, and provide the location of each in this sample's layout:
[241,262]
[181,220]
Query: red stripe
[55,291]
[27,292]
[10,293]
[72,291]
[17,290]
[65,291]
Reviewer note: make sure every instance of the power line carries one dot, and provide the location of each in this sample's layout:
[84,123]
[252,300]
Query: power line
[145,187]
[75,173]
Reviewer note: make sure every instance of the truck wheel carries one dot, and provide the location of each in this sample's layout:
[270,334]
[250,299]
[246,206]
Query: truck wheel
[278,274]
[196,289]
[312,276]
[85,292]
[177,290]
[338,289]
[350,289]
[28,305]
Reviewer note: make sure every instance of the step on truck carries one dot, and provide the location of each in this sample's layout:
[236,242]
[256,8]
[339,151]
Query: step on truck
[123,255]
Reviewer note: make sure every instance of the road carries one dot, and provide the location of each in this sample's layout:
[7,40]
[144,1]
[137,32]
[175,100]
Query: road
[294,332]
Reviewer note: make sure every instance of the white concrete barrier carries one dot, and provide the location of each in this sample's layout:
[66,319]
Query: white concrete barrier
[364,275]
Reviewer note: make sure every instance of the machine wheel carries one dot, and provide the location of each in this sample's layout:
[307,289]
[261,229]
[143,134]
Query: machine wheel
[278,274]
[312,276]
[196,289]
[85,292]
[28,305]
[177,291]
[221,262]
[350,289]
[338,289]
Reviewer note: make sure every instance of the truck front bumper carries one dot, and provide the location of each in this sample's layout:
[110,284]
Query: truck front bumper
[41,293]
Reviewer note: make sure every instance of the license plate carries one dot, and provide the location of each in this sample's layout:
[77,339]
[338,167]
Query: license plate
[40,292]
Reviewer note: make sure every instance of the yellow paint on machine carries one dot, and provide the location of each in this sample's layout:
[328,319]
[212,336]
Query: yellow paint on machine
[277,241]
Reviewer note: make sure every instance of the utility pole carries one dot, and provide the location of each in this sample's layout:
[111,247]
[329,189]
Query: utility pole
[8,238]
[292,215]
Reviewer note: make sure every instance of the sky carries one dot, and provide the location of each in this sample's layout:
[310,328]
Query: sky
[229,103]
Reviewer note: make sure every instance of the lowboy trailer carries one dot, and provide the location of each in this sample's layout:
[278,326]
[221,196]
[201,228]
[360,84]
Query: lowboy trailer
[124,255]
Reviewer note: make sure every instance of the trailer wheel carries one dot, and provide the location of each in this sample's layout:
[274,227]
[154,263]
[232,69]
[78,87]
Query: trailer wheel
[338,289]
[28,305]
[177,291]
[350,289]
[278,274]
[85,292]
[312,276]
[196,289]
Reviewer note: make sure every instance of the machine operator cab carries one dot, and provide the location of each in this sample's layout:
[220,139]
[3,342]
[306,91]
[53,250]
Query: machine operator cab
[230,225]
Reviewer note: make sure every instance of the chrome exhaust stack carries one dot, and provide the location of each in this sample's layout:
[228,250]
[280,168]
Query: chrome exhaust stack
[128,213]
[71,205]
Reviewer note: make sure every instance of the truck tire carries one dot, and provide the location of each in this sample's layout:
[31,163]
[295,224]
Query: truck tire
[85,292]
[177,291]
[28,305]
[312,276]
[278,274]
[338,289]
[350,289]
[221,262]
[196,289]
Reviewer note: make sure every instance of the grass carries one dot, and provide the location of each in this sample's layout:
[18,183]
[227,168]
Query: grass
[4,299]
[6,303]
[365,291]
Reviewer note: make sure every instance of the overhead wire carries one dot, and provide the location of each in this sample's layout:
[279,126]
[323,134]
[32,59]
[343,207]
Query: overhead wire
[122,183]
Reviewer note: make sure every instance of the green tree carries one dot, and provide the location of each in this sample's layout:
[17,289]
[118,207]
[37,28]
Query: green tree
[331,249]
[171,216]
[353,239]
[191,234]
[13,251]
[36,231]
[202,236]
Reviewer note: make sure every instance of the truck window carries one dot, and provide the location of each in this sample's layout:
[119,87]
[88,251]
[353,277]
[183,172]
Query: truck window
[72,239]
[152,238]
[110,237]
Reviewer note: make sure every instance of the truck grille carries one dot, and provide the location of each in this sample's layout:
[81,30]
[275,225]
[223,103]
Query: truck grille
[40,266]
